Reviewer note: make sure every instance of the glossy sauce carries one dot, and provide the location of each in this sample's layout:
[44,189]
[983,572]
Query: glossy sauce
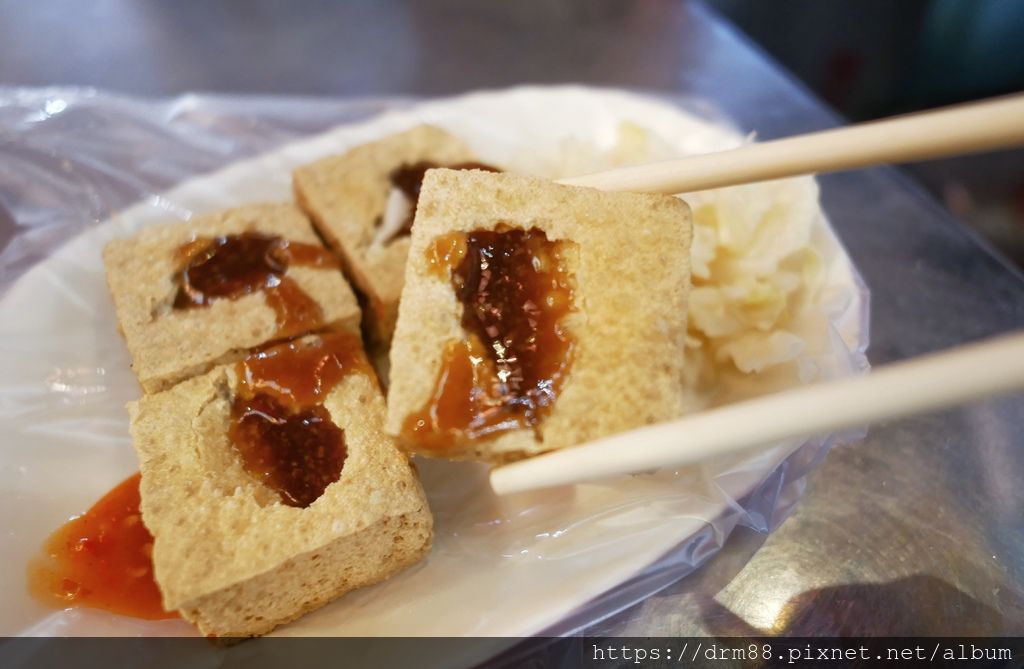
[409,179]
[506,374]
[282,431]
[101,559]
[231,266]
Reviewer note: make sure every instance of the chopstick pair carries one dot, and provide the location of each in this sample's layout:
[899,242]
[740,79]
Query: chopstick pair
[924,384]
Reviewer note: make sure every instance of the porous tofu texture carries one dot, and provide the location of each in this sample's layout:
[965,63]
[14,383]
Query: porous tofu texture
[629,258]
[168,345]
[227,553]
[345,195]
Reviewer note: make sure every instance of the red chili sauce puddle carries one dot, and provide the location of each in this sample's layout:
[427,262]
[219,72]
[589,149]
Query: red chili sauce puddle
[102,560]
[506,374]
[409,179]
[231,266]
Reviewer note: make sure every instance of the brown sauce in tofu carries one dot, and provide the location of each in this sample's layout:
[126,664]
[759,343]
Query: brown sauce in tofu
[279,426]
[506,374]
[408,178]
[231,266]
[101,559]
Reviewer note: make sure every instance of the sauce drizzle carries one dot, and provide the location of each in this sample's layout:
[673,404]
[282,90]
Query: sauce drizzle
[505,375]
[101,559]
[231,266]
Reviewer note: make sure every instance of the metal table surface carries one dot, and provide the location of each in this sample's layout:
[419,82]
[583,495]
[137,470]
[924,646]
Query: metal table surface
[917,530]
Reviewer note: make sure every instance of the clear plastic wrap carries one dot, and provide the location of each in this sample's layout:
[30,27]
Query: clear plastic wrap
[78,167]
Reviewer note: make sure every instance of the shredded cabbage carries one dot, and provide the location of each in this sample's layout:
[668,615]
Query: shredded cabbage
[751,261]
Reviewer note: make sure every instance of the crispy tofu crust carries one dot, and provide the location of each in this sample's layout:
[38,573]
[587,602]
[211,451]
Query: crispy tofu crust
[630,261]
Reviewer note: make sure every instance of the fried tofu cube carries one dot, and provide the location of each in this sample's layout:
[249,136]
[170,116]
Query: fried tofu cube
[537,316]
[192,295]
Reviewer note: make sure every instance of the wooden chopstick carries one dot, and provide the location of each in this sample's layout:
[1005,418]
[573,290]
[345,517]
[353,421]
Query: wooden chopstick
[924,384]
[969,128]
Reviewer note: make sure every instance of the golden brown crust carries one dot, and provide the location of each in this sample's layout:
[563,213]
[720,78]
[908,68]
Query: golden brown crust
[632,276]
[230,556]
[345,196]
[167,345]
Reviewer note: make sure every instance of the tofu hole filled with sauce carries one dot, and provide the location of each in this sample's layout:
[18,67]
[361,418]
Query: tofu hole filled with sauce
[280,428]
[505,374]
[231,266]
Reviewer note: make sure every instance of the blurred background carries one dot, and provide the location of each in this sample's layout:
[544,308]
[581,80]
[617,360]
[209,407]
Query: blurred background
[866,58]
[873,58]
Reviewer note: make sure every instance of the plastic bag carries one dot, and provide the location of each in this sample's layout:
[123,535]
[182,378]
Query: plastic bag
[78,167]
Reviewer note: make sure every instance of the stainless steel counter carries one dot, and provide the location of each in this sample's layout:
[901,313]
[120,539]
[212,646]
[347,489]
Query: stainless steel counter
[917,530]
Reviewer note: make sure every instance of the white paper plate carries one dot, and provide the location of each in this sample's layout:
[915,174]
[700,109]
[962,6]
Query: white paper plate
[498,567]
